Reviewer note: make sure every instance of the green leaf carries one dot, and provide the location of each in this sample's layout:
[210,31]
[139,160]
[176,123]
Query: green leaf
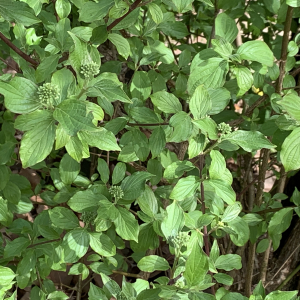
[118,173]
[291,103]
[249,140]
[174,29]
[63,8]
[127,226]
[68,169]
[12,193]
[262,246]
[257,51]
[102,244]
[103,170]
[279,223]
[4,176]
[166,102]
[290,151]
[100,138]
[185,188]
[241,229]
[177,169]
[244,78]
[6,216]
[223,278]
[121,44]
[183,5]
[196,145]
[226,27]
[278,295]
[217,169]
[91,11]
[20,95]
[6,275]
[196,266]
[148,202]
[228,262]
[63,218]
[211,73]
[75,244]
[167,54]
[153,263]
[208,127]
[134,185]
[144,115]
[223,190]
[85,201]
[200,102]
[293,3]
[37,143]
[173,222]
[79,268]
[141,85]
[16,247]
[231,212]
[110,89]
[96,293]
[220,98]
[73,116]
[157,141]
[32,120]
[18,11]
[156,13]
[46,67]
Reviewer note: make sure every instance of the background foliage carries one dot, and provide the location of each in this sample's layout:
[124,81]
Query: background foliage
[136,138]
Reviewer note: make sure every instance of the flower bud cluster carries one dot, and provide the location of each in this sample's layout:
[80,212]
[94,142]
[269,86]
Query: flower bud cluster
[89,70]
[48,93]
[88,217]
[116,191]
[224,128]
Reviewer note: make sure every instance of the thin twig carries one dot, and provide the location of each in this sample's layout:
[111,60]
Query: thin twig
[117,21]
[79,288]
[290,276]
[42,243]
[126,274]
[55,12]
[213,29]
[18,51]
[172,49]
[145,124]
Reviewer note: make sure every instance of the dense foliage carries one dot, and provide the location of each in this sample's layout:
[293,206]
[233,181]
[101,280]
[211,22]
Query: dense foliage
[136,138]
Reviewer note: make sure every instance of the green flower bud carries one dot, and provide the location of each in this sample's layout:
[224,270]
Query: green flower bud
[224,128]
[89,70]
[88,217]
[48,93]
[116,191]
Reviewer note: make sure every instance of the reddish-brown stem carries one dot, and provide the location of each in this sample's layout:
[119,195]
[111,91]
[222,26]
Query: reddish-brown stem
[132,7]
[17,50]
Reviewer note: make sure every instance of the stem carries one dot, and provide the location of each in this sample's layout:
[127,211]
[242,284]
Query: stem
[117,21]
[55,12]
[79,288]
[205,235]
[18,51]
[264,266]
[284,52]
[172,49]
[145,124]
[249,272]
[42,243]
[290,276]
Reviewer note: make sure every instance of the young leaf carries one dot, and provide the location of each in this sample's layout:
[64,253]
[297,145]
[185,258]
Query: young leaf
[153,263]
[291,103]
[223,190]
[157,141]
[92,11]
[79,268]
[244,78]
[63,8]
[148,202]
[6,275]
[16,247]
[141,85]
[156,13]
[231,212]
[223,278]
[278,295]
